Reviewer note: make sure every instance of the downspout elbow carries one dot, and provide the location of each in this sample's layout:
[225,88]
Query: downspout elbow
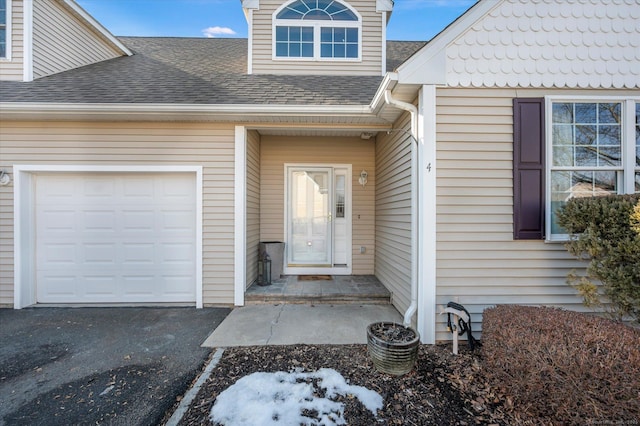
[412,109]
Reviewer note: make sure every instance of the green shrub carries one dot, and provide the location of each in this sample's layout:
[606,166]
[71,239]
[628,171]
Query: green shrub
[603,235]
[561,367]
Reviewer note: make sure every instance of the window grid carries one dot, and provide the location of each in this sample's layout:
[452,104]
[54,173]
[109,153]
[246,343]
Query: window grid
[333,31]
[588,153]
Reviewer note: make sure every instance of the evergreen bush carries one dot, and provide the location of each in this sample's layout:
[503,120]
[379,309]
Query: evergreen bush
[603,233]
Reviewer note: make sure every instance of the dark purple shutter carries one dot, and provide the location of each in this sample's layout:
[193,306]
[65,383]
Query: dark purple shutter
[528,169]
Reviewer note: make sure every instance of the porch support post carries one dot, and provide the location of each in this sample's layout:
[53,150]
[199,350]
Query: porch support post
[427,214]
[240,222]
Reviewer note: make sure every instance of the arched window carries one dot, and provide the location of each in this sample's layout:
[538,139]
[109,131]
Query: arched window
[317,29]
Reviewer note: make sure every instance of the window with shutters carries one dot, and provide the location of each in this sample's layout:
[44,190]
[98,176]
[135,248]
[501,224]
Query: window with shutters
[593,149]
[316,30]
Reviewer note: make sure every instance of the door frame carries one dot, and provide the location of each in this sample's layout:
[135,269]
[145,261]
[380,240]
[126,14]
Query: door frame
[332,270]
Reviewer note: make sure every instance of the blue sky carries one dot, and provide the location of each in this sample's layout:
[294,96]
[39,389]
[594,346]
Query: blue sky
[411,19]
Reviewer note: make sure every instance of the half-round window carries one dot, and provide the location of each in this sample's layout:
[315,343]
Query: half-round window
[330,10]
[317,29]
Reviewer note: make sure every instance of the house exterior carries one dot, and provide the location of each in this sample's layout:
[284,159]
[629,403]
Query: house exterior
[147,170]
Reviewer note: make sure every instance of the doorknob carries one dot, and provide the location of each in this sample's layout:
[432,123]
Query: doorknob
[330,217]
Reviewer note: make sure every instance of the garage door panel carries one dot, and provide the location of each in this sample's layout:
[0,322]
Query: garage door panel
[120,238]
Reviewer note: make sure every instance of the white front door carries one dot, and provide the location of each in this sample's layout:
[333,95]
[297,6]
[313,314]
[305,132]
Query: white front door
[317,223]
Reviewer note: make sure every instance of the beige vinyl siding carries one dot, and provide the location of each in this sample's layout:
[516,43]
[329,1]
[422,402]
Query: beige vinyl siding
[275,151]
[62,42]
[253,205]
[105,143]
[371,55]
[12,69]
[479,264]
[393,213]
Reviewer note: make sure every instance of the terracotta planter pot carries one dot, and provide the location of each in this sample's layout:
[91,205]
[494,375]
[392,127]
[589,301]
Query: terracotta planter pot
[389,354]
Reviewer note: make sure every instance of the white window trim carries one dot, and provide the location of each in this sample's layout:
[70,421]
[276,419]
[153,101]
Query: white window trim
[8,30]
[24,292]
[316,24]
[628,167]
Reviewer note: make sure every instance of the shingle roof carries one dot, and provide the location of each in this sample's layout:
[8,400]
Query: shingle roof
[196,71]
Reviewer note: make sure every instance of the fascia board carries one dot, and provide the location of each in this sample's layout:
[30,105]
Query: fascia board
[384,5]
[428,65]
[388,83]
[26,109]
[250,4]
[90,20]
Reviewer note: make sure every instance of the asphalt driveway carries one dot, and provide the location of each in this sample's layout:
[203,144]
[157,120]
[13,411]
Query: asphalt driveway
[118,366]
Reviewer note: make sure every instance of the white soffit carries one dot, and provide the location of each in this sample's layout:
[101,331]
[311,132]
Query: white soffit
[550,43]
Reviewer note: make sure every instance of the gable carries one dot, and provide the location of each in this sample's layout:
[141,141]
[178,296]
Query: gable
[302,53]
[548,43]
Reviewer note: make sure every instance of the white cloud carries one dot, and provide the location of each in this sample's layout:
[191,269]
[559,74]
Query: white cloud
[217,31]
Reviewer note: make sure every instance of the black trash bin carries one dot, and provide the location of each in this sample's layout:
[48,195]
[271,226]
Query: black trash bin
[275,251]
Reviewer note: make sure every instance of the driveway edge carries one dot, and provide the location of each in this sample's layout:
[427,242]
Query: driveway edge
[190,395]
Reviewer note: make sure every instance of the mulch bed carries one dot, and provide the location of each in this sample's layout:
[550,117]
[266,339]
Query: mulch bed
[442,389]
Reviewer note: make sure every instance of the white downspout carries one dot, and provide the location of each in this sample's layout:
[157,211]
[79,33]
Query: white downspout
[413,110]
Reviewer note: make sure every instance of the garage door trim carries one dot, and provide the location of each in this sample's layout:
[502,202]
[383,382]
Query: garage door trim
[24,210]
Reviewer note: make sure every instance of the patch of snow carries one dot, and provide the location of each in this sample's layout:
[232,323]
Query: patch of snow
[264,399]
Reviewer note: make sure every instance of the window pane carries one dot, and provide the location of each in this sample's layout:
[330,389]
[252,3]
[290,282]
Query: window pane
[295,50]
[562,134]
[340,192]
[352,35]
[282,33]
[609,135]
[586,156]
[289,14]
[638,183]
[307,50]
[295,34]
[566,185]
[586,113]
[609,113]
[609,156]
[339,51]
[307,34]
[352,51]
[290,44]
[585,135]
[339,35]
[326,50]
[562,113]
[282,49]
[318,15]
[3,43]
[563,156]
[326,35]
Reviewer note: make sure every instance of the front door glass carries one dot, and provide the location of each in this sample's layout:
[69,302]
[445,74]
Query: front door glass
[310,216]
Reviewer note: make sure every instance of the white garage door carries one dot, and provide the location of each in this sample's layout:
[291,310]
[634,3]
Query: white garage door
[115,238]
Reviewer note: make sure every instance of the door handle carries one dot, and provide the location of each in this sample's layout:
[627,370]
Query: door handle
[330,217]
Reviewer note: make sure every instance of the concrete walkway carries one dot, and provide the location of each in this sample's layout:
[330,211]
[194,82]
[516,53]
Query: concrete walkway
[287,324]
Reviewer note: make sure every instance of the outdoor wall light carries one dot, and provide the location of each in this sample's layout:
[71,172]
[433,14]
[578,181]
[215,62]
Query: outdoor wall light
[5,178]
[363,178]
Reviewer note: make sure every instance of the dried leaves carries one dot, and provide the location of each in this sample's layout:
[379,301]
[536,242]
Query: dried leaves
[562,367]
